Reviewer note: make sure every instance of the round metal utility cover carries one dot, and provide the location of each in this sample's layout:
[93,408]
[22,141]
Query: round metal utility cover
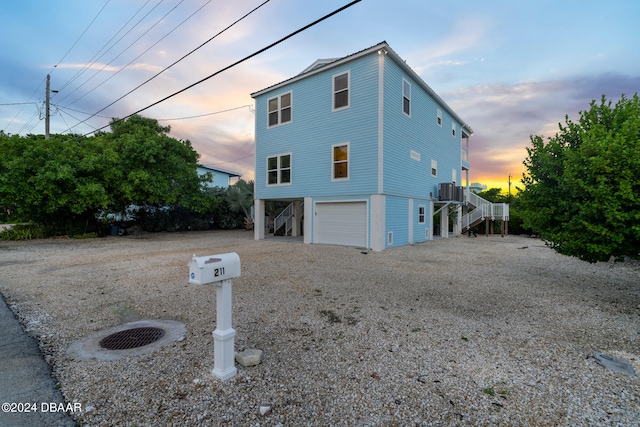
[129,339]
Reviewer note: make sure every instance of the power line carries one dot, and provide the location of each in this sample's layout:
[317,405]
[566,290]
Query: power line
[123,51]
[81,35]
[232,161]
[54,67]
[61,108]
[183,57]
[306,27]
[204,115]
[94,59]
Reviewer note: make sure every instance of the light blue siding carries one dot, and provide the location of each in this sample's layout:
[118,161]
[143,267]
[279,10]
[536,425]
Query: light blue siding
[220,178]
[315,128]
[397,220]
[420,231]
[409,143]
[404,176]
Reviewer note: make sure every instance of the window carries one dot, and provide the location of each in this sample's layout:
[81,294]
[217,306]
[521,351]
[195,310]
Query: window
[341,91]
[390,238]
[406,97]
[453,129]
[279,109]
[421,214]
[279,169]
[340,161]
[434,168]
[439,118]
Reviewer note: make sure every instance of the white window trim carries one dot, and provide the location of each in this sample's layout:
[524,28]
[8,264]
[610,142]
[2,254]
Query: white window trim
[434,165]
[408,97]
[390,238]
[414,155]
[424,214]
[333,90]
[454,129]
[278,97]
[333,179]
[278,156]
[439,118]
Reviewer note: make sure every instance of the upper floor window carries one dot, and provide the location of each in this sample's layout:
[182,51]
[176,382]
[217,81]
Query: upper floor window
[406,97]
[279,109]
[434,168]
[341,91]
[279,169]
[439,118]
[421,214]
[340,161]
[453,129]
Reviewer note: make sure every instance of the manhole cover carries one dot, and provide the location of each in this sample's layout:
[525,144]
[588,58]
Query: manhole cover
[131,338]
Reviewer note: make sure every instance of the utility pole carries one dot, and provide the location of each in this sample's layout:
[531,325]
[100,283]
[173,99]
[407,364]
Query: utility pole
[46,114]
[47,102]
[509,186]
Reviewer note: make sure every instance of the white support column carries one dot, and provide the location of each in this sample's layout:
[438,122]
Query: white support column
[431,224]
[223,337]
[410,221]
[258,221]
[444,223]
[457,225]
[308,217]
[295,227]
[378,222]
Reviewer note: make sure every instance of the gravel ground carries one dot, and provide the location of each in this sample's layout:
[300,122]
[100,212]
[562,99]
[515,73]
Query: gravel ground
[462,331]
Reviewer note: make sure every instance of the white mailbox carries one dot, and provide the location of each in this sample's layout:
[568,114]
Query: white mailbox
[214,268]
[219,270]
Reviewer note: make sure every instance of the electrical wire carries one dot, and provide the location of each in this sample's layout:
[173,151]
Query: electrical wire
[81,35]
[204,115]
[117,56]
[183,57]
[95,57]
[59,107]
[53,69]
[22,108]
[232,161]
[306,27]
[19,103]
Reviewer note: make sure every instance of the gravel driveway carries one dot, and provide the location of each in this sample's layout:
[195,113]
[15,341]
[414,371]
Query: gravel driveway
[461,331]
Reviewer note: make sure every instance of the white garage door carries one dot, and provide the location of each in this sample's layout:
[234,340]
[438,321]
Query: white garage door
[341,223]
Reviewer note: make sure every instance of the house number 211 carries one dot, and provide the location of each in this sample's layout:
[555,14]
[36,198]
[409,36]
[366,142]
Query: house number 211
[217,272]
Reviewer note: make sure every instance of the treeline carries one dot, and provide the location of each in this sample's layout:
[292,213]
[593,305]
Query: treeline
[73,185]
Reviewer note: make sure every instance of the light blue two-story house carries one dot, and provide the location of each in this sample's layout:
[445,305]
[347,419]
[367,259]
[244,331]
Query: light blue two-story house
[221,177]
[364,150]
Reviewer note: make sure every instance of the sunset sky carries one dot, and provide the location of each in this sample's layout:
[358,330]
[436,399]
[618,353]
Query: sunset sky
[508,68]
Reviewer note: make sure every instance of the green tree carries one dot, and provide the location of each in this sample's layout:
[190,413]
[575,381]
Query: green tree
[153,168]
[65,183]
[582,192]
[56,182]
[240,199]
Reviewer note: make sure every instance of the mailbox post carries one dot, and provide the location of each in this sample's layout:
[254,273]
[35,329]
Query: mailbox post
[219,270]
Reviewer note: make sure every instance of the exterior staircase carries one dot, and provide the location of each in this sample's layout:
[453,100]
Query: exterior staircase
[481,209]
[283,223]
